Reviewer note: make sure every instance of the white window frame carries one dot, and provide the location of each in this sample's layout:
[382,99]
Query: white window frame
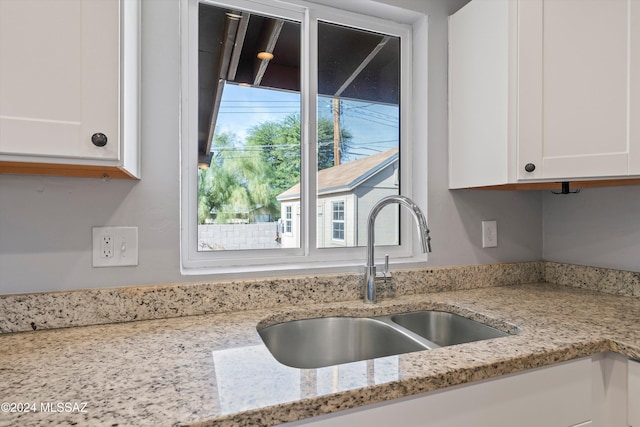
[308,258]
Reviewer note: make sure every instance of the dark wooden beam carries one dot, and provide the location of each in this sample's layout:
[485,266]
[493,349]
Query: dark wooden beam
[273,32]
[362,66]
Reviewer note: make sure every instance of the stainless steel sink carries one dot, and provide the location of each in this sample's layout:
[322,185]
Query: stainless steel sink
[326,341]
[314,343]
[445,328]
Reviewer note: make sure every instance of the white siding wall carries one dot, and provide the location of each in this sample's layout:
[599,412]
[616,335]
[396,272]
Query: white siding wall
[369,193]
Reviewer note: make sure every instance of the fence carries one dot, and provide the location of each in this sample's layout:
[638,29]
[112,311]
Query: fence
[237,236]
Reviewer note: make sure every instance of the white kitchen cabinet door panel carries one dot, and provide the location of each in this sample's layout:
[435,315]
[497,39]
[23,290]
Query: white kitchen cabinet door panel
[59,77]
[634,89]
[577,94]
[479,99]
[553,396]
[40,137]
[634,393]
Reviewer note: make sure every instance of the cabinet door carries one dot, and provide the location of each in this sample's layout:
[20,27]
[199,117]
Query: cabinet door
[634,394]
[480,94]
[59,79]
[552,396]
[579,88]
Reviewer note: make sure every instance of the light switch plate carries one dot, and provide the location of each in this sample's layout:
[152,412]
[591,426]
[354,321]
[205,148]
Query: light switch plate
[115,246]
[489,234]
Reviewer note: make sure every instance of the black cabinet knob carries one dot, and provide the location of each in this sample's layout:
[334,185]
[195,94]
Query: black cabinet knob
[529,167]
[99,139]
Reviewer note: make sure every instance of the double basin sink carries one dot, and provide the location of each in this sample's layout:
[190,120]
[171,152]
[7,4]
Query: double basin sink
[326,341]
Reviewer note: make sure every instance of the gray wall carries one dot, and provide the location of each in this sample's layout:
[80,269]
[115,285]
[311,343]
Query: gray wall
[45,222]
[598,227]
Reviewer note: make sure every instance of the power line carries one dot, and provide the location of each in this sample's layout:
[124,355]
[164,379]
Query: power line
[376,121]
[363,148]
[259,148]
[379,116]
[257,100]
[254,147]
[257,112]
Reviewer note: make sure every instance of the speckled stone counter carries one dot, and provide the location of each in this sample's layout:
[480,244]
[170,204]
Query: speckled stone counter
[50,310]
[215,370]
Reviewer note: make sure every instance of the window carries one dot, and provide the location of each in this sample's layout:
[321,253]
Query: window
[338,220]
[286,107]
[288,219]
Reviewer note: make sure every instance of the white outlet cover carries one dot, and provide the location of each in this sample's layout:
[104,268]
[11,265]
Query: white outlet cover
[124,245]
[489,234]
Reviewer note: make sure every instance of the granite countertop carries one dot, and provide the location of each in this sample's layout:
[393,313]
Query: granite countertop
[215,370]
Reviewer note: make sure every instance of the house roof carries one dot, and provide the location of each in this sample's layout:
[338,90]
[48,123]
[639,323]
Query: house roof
[347,176]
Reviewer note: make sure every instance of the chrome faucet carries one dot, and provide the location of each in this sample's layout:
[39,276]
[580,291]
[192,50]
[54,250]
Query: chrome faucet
[370,276]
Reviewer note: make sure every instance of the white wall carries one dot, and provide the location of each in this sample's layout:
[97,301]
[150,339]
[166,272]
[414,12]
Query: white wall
[45,222]
[598,227]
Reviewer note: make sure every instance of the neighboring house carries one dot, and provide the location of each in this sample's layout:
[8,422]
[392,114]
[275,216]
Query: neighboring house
[346,194]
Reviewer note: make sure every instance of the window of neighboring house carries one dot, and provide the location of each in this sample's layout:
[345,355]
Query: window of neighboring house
[290,103]
[337,222]
[288,221]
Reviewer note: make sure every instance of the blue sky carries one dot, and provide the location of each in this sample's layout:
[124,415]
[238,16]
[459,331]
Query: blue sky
[373,126]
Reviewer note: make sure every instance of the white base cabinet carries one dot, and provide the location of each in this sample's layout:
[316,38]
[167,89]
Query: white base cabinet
[579,393]
[634,393]
[544,90]
[69,85]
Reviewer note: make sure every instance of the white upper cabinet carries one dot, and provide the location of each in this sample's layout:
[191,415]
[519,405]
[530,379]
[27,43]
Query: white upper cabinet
[69,86]
[544,90]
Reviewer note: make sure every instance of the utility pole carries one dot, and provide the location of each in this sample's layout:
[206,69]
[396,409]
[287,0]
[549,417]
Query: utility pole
[336,131]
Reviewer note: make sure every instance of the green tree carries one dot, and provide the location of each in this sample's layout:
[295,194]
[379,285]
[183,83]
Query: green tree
[222,187]
[279,146]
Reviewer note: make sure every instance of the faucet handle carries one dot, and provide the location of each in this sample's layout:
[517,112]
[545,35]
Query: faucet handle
[385,275]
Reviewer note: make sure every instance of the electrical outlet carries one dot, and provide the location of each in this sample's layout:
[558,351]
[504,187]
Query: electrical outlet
[489,234]
[106,246]
[115,246]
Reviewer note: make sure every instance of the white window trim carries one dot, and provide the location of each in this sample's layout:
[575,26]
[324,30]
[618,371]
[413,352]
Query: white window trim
[308,258]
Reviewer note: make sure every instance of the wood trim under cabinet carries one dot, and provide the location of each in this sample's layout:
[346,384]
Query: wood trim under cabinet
[22,168]
[557,186]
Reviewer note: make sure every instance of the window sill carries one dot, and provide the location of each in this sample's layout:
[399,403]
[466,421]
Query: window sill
[299,268]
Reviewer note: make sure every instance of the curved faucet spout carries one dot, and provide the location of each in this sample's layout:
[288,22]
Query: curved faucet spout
[423,236]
